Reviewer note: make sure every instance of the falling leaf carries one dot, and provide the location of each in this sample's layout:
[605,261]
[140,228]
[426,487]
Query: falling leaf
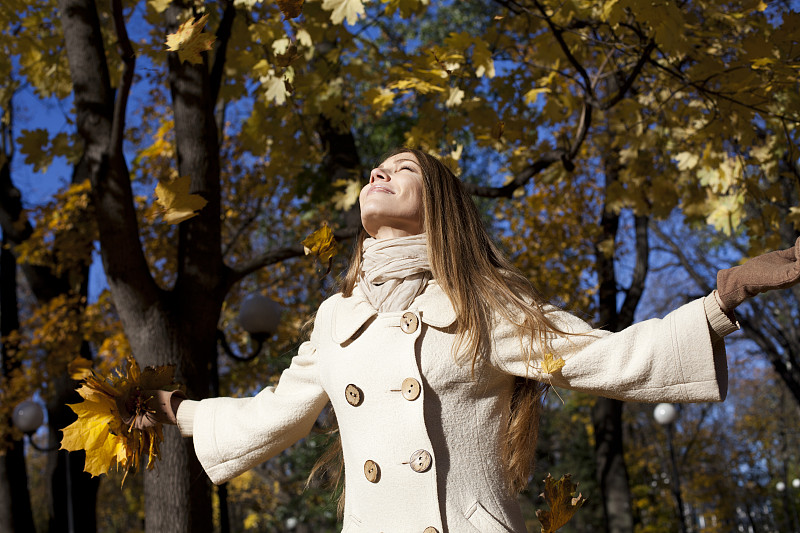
[321,243]
[551,365]
[79,368]
[100,429]
[190,41]
[291,8]
[178,203]
[559,496]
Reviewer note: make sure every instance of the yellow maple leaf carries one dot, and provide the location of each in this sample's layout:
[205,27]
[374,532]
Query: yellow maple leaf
[178,203]
[100,429]
[551,365]
[79,368]
[321,243]
[190,41]
[559,496]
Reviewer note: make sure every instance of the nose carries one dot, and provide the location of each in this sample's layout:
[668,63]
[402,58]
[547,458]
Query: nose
[378,174]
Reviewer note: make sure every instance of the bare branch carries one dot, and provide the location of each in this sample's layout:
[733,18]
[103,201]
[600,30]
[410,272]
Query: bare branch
[223,36]
[635,71]
[722,96]
[545,160]
[281,254]
[507,190]
[559,36]
[677,251]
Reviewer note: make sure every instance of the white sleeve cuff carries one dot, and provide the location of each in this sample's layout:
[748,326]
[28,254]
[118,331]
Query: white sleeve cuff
[185,417]
[720,323]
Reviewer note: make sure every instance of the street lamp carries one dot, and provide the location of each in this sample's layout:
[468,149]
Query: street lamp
[790,509]
[666,414]
[259,316]
[28,416]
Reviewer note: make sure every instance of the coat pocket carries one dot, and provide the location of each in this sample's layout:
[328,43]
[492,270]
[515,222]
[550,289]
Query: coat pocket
[352,524]
[483,521]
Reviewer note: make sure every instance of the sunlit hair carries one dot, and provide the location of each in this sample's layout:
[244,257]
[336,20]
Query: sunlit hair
[483,286]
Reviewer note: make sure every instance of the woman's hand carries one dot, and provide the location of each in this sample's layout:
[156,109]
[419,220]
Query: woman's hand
[144,409]
[775,270]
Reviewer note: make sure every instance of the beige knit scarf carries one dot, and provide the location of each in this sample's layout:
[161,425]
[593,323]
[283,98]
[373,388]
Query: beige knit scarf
[394,271]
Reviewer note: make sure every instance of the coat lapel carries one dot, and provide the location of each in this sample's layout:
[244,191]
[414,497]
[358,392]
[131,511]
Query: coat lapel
[352,313]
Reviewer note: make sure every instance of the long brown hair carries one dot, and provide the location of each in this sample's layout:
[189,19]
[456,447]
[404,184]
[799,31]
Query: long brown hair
[482,285]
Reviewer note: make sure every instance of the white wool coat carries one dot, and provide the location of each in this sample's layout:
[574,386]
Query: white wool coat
[455,417]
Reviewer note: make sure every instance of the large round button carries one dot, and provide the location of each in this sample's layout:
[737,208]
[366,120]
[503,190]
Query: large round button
[420,461]
[353,395]
[431,529]
[409,322]
[411,389]
[372,471]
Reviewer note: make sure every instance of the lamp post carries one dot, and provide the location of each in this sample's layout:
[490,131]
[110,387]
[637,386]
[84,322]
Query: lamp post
[666,414]
[259,316]
[28,416]
[788,502]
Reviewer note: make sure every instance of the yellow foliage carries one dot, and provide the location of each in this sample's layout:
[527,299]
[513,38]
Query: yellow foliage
[65,231]
[406,7]
[163,145]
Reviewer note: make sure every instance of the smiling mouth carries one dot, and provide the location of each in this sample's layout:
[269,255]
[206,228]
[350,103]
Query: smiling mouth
[377,188]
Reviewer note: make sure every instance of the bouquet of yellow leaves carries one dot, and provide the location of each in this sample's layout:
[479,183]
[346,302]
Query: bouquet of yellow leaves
[106,427]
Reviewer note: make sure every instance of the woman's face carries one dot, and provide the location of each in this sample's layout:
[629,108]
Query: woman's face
[391,203]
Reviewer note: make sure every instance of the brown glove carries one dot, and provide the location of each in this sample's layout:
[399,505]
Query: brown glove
[775,270]
[144,409]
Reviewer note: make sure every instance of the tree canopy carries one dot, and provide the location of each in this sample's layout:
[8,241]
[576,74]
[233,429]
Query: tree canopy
[206,140]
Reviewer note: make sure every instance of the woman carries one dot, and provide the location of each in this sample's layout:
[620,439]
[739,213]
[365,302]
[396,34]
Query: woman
[432,357]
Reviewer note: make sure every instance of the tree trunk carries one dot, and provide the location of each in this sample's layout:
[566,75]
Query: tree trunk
[612,473]
[164,327]
[45,285]
[15,503]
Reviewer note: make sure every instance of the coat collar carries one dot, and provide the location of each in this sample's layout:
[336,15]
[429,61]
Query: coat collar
[351,313]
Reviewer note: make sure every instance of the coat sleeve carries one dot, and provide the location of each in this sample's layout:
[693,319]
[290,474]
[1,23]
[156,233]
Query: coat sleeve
[232,435]
[678,358]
